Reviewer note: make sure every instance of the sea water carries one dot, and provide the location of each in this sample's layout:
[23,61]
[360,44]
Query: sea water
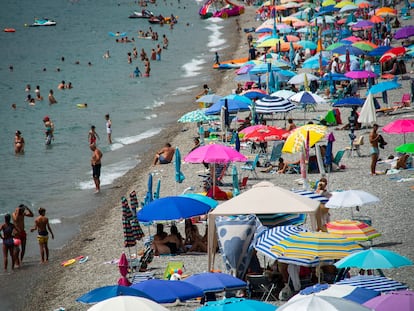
[58,176]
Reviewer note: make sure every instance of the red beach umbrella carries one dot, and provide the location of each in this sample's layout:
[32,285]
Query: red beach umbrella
[267,133]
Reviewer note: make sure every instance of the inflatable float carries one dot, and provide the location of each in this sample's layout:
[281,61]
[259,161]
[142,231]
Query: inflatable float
[215,8]
[117,34]
[43,22]
[230,64]
[165,20]
[69,262]
[82,105]
[9,30]
[143,14]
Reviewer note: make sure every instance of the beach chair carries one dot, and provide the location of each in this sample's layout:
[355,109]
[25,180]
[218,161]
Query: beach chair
[405,101]
[276,152]
[356,146]
[259,285]
[172,266]
[338,157]
[243,183]
[250,166]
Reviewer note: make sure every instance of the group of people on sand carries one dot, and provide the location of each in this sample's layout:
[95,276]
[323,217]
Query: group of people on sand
[14,236]
[173,243]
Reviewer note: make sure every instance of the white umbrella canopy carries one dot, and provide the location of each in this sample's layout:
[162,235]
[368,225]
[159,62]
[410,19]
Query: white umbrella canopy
[368,114]
[283,93]
[322,303]
[300,78]
[127,303]
[351,198]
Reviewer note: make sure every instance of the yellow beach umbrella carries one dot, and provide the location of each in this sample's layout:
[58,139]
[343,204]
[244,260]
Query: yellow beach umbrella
[270,42]
[328,2]
[352,229]
[341,4]
[297,139]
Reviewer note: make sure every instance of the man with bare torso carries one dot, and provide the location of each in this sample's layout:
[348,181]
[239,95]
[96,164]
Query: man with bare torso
[96,166]
[43,228]
[373,140]
[165,155]
[18,221]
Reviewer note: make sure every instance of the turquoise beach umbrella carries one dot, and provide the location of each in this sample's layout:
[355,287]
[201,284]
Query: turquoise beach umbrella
[235,175]
[179,176]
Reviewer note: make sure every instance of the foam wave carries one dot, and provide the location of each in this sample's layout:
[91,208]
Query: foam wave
[193,68]
[55,221]
[110,173]
[134,139]
[215,39]
[152,116]
[183,90]
[115,146]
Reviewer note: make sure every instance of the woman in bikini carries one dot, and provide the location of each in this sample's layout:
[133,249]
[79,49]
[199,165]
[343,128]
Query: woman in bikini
[6,234]
[18,143]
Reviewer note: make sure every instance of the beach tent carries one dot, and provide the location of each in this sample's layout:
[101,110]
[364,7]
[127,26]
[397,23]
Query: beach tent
[257,201]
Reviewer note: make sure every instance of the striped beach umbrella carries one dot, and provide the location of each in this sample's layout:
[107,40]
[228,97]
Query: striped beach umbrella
[273,104]
[352,229]
[129,237]
[374,282]
[315,246]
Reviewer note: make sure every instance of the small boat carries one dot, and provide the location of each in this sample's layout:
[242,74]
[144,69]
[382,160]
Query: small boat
[165,20]
[9,30]
[43,22]
[231,64]
[143,14]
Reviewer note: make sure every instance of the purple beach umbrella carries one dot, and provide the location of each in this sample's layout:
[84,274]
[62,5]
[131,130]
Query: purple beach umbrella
[404,32]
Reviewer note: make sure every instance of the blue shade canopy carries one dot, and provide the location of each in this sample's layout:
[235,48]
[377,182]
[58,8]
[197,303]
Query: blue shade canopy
[237,304]
[384,86]
[349,102]
[172,208]
[379,51]
[215,282]
[234,106]
[352,50]
[335,77]
[105,292]
[166,291]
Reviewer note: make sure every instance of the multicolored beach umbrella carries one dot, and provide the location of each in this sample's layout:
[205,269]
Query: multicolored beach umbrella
[196,116]
[129,237]
[133,201]
[352,229]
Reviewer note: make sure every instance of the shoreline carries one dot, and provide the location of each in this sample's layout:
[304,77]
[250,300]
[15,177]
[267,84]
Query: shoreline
[60,286]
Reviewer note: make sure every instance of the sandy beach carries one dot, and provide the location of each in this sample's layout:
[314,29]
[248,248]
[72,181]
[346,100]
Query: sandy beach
[101,235]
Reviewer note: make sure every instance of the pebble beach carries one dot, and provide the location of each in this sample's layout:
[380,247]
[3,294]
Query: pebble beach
[101,236]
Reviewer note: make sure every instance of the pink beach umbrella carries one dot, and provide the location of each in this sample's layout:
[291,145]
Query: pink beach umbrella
[123,269]
[362,74]
[402,300]
[400,126]
[214,153]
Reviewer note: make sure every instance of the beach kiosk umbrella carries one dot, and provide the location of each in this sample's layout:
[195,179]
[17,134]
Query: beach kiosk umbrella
[348,292]
[215,282]
[127,303]
[352,229]
[400,126]
[405,148]
[378,283]
[374,259]
[167,291]
[172,208]
[351,198]
[237,304]
[179,176]
[396,300]
[102,293]
[317,303]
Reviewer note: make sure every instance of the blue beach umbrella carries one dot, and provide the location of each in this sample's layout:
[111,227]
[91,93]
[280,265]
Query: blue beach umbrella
[172,208]
[383,86]
[349,102]
[215,282]
[237,304]
[235,176]
[102,293]
[149,197]
[166,291]
[237,142]
[352,50]
[234,105]
[335,77]
[202,198]
[157,190]
[179,176]
[247,77]
[329,147]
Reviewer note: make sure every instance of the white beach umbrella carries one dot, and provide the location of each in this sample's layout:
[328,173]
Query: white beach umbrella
[127,303]
[283,93]
[300,78]
[351,198]
[368,114]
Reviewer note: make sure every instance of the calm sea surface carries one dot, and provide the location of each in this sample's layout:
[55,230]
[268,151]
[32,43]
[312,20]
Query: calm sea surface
[58,177]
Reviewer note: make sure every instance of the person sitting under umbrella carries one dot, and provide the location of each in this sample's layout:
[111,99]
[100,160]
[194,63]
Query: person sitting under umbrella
[164,243]
[193,239]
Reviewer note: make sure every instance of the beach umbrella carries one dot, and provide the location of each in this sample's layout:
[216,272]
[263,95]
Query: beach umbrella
[157,190]
[149,196]
[250,129]
[351,49]
[307,44]
[379,50]
[129,236]
[374,282]
[368,114]
[123,265]
[365,45]
[271,42]
[405,148]
[399,126]
[167,291]
[300,78]
[127,303]
[376,19]
[202,198]
[215,282]
[348,8]
[237,304]
[349,102]
[374,259]
[235,178]
[404,32]
[266,133]
[362,74]
[214,153]
[315,63]
[351,198]
[317,303]
[296,140]
[236,104]
[334,46]
[102,293]
[396,300]
[273,104]
[254,93]
[263,68]
[196,116]
[179,176]
[320,246]
[348,292]
[386,11]
[383,86]
[335,77]
[248,77]
[133,201]
[362,24]
[307,98]
[209,98]
[283,94]
[352,229]
[172,208]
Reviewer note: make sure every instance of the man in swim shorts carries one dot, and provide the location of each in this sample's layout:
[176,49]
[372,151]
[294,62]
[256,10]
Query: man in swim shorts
[373,140]
[43,228]
[165,155]
[18,221]
[96,166]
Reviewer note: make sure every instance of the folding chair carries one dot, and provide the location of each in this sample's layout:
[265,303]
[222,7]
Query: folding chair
[171,267]
[356,146]
[250,166]
[260,286]
[405,101]
[243,183]
[338,157]
[276,152]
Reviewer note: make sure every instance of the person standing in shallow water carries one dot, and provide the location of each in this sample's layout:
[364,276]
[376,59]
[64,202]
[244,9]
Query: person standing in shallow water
[18,216]
[43,228]
[6,234]
[96,166]
[108,128]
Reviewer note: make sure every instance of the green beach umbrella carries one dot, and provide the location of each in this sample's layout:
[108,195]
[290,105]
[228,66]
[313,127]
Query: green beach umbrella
[405,148]
[363,46]
[334,46]
[196,116]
